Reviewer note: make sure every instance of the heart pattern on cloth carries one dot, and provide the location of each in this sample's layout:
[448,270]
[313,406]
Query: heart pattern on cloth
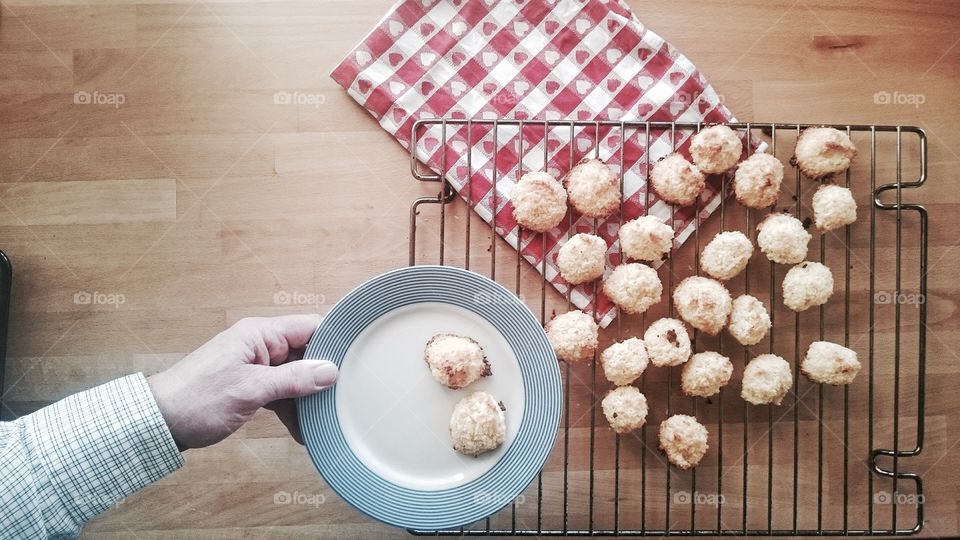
[457,88]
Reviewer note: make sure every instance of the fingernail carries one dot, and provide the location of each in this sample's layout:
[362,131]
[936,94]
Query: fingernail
[325,374]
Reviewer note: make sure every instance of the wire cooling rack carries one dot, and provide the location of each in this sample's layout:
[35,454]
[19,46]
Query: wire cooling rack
[829,460]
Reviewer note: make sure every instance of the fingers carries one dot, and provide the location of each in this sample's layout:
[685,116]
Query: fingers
[294,379]
[276,340]
[296,329]
[286,411]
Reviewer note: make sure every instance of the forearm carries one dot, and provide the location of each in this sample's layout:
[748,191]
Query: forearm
[70,461]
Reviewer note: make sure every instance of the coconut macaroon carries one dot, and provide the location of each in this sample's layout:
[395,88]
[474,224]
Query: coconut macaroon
[806,285]
[683,440]
[455,361]
[783,238]
[478,424]
[633,287]
[667,342]
[766,379]
[676,180]
[757,181]
[705,374]
[625,408]
[829,363]
[704,303]
[646,238]
[833,207]
[582,258]
[749,320]
[726,255]
[715,149]
[822,151]
[625,361]
[592,188]
[574,336]
[539,201]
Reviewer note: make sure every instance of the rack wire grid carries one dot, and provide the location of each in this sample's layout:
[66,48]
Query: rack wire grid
[829,460]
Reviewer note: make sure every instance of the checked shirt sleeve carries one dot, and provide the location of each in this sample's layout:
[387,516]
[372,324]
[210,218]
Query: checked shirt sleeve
[70,461]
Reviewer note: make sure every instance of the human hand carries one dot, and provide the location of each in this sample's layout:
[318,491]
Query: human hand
[255,363]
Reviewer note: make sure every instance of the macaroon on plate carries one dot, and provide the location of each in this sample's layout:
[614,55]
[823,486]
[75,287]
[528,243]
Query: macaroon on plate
[380,436]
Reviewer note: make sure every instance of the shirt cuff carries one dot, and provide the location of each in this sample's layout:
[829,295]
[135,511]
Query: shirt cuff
[99,446]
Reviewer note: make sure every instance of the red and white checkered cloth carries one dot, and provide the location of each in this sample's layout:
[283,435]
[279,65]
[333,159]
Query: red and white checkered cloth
[534,60]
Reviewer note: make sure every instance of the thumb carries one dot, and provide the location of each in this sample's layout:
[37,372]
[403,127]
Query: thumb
[296,379]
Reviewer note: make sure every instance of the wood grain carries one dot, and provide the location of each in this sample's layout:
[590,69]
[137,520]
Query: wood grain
[198,199]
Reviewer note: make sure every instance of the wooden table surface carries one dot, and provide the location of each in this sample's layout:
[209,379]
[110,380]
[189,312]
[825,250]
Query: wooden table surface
[188,199]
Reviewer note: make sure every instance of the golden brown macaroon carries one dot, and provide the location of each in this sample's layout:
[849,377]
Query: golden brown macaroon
[703,303]
[749,320]
[833,207]
[478,424]
[757,181]
[766,380]
[726,255]
[593,189]
[625,408]
[830,363]
[715,149]
[705,374]
[633,287]
[539,201]
[582,258]
[456,361]
[806,285]
[625,361]
[646,238]
[822,151]
[667,342]
[676,180]
[683,440]
[574,336]
[783,238]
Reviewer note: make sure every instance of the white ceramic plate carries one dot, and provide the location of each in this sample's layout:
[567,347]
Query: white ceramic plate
[380,436]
